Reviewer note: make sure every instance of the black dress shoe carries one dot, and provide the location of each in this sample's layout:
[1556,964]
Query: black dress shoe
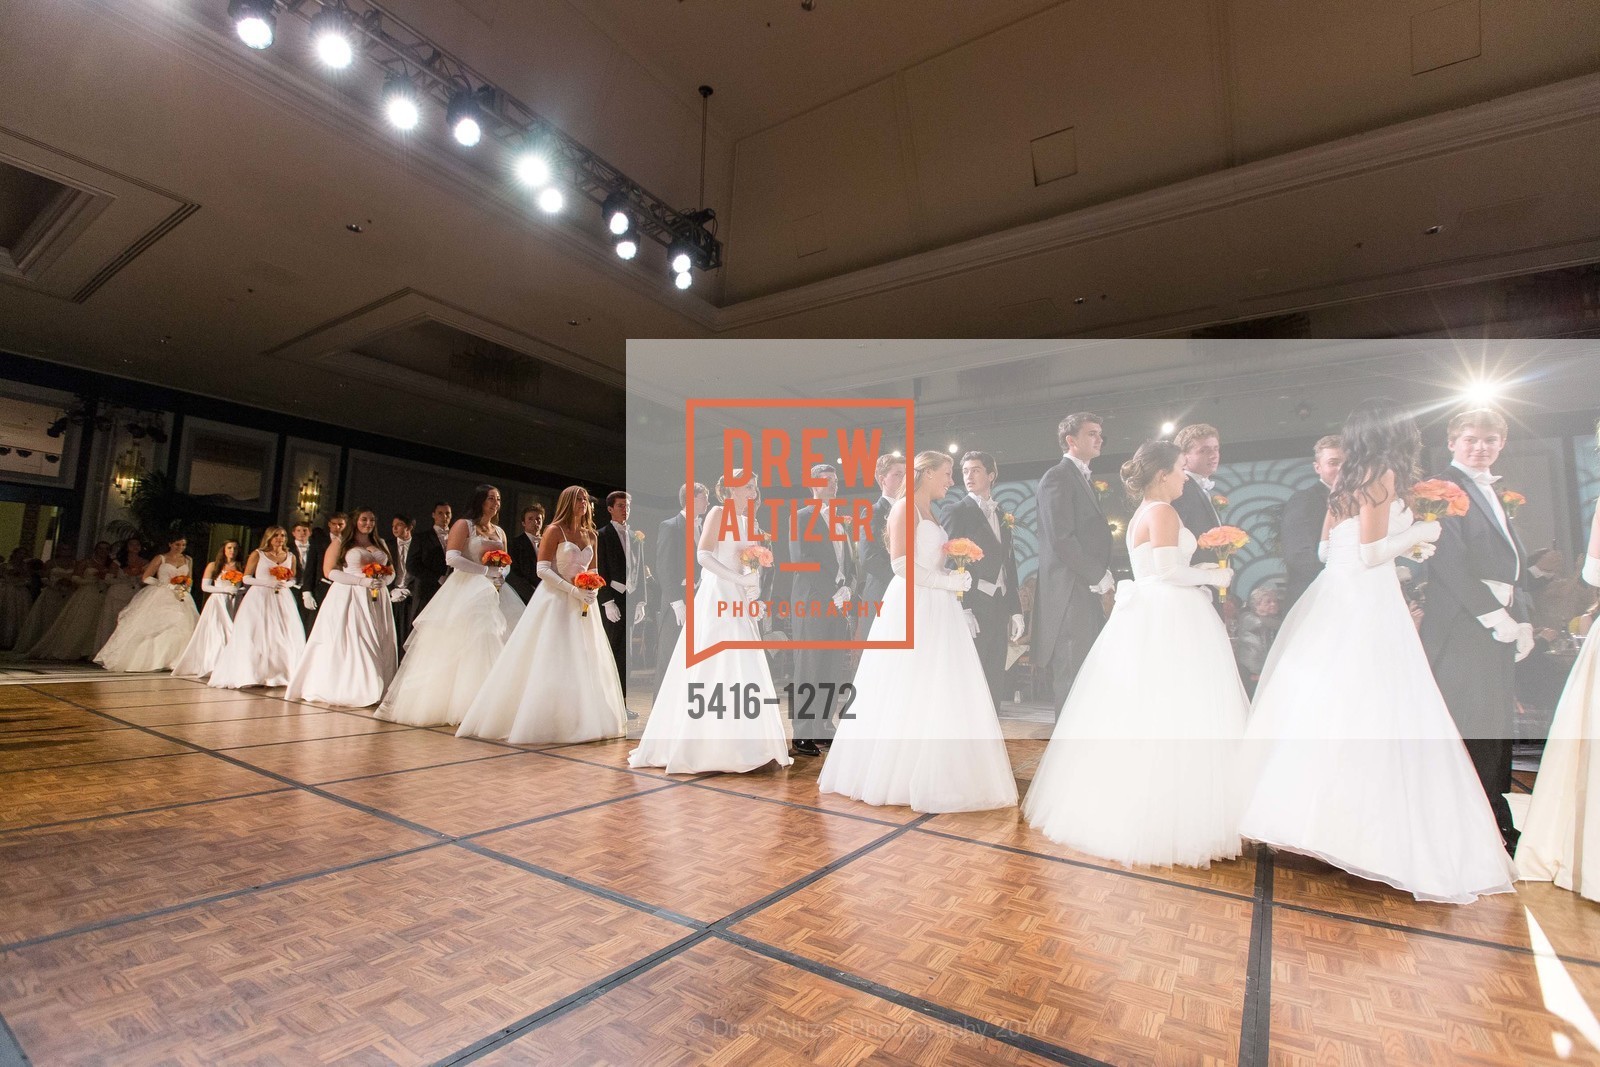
[806,747]
[1511,837]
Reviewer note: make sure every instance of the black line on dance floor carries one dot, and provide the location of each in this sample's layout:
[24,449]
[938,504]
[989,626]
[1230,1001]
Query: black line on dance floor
[1255,1025]
[949,1016]
[790,803]
[424,767]
[1122,871]
[568,811]
[11,1054]
[574,882]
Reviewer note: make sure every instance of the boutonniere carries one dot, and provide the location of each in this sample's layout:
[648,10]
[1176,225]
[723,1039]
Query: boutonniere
[1009,521]
[1219,501]
[638,536]
[1101,488]
[1511,500]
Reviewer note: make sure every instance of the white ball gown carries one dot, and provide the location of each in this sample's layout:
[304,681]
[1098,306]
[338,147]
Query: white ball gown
[351,655]
[1566,795]
[1143,765]
[453,644]
[682,744]
[922,730]
[1352,756]
[57,589]
[555,681]
[210,635]
[118,596]
[71,636]
[15,600]
[268,638]
[155,626]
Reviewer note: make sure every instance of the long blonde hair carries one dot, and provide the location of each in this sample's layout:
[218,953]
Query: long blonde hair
[568,510]
[925,463]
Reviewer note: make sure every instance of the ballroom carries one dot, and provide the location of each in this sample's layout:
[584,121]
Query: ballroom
[397,667]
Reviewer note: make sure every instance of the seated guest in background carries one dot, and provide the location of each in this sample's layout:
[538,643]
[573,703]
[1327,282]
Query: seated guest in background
[1557,594]
[524,551]
[1301,529]
[1254,631]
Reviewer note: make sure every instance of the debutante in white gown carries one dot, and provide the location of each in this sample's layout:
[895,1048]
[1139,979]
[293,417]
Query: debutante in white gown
[555,681]
[674,738]
[57,589]
[452,646]
[268,638]
[1560,840]
[1351,755]
[922,729]
[71,635]
[211,634]
[15,600]
[118,596]
[155,626]
[1143,766]
[352,654]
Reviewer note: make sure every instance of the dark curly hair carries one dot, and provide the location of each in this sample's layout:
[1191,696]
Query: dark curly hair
[1380,437]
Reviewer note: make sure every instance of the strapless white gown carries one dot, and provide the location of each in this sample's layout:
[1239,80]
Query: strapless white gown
[71,635]
[210,638]
[154,628]
[1143,765]
[673,739]
[351,655]
[1351,756]
[452,646]
[268,638]
[922,730]
[555,681]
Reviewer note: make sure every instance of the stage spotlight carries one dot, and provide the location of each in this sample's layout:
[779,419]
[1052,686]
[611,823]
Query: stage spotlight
[551,200]
[400,102]
[954,448]
[1168,427]
[533,168]
[683,280]
[618,213]
[334,36]
[1481,394]
[253,21]
[680,256]
[463,118]
[627,243]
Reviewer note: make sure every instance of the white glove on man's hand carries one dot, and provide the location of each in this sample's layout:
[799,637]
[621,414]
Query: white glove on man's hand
[308,600]
[613,615]
[397,595]
[841,595]
[1504,626]
[638,613]
[1524,641]
[677,611]
[1017,626]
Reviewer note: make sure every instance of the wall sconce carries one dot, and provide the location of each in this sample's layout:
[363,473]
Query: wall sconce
[309,499]
[128,473]
[1118,528]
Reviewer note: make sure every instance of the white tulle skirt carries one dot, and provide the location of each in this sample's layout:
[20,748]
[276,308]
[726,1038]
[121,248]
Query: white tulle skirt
[452,646]
[267,642]
[1351,756]
[922,729]
[351,655]
[14,605]
[1566,795]
[151,632]
[41,614]
[683,742]
[554,682]
[118,597]
[71,635]
[210,638]
[1143,766]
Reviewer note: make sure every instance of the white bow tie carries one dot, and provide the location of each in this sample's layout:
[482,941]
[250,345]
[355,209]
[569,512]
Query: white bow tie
[987,506]
[1205,483]
[1484,478]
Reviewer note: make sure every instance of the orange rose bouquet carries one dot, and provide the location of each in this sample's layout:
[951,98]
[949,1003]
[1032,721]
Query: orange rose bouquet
[964,551]
[376,570]
[1437,498]
[755,557]
[281,574]
[232,576]
[180,585]
[1224,541]
[589,582]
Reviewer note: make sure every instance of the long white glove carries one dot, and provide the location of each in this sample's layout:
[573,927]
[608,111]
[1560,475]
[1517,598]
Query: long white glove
[613,615]
[214,585]
[1322,551]
[456,561]
[1377,553]
[344,577]
[1591,570]
[152,580]
[709,561]
[1017,626]
[548,576]
[269,583]
[953,581]
[1171,567]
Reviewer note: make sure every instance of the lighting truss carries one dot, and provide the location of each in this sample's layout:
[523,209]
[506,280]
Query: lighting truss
[397,48]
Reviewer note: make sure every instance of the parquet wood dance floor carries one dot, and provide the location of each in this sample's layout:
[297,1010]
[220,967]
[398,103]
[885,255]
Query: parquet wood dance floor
[202,877]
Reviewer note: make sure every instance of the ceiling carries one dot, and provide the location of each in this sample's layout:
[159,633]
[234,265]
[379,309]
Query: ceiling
[906,168]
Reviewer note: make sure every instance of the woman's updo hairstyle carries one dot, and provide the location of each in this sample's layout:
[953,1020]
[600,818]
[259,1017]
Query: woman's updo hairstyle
[1153,459]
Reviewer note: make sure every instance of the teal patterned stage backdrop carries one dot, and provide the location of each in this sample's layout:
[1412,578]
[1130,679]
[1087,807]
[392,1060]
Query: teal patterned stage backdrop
[1256,494]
